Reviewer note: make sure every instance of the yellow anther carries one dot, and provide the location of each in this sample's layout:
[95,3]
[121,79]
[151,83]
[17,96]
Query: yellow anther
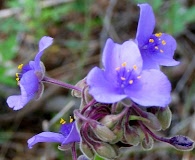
[117,68]
[62,121]
[123,78]
[71,119]
[20,66]
[158,34]
[156,47]
[138,77]
[17,75]
[163,42]
[131,82]
[134,67]
[124,64]
[161,51]
[151,40]
[17,79]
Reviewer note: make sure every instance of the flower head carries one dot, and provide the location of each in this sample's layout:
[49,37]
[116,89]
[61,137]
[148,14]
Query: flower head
[156,49]
[123,77]
[30,78]
[68,134]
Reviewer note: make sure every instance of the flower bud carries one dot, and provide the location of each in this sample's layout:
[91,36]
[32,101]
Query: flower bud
[164,116]
[87,150]
[131,135]
[147,145]
[80,84]
[182,143]
[106,150]
[103,132]
[82,157]
[118,131]
[110,120]
[153,122]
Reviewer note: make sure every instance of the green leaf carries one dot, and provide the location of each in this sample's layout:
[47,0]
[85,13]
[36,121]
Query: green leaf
[97,157]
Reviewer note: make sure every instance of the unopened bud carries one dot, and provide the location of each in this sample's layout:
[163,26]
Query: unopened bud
[103,133]
[82,157]
[182,143]
[80,84]
[110,120]
[164,116]
[147,144]
[153,122]
[118,131]
[87,150]
[131,135]
[106,150]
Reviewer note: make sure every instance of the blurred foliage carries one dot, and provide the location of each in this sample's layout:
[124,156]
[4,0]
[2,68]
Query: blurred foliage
[37,25]
[175,15]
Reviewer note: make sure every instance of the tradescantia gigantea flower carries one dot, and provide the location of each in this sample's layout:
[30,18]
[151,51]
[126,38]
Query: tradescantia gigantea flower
[156,49]
[29,79]
[123,77]
[67,135]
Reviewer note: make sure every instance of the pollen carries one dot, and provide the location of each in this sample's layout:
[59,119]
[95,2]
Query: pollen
[161,51]
[17,79]
[156,47]
[163,42]
[158,34]
[134,67]
[131,82]
[71,119]
[20,66]
[138,77]
[117,68]
[124,64]
[151,40]
[123,78]
[62,121]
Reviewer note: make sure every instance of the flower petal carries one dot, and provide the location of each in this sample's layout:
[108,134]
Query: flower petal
[146,24]
[155,89]
[167,47]
[45,137]
[73,135]
[114,55]
[44,43]
[102,88]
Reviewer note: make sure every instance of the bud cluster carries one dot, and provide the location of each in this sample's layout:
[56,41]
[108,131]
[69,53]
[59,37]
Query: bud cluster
[105,128]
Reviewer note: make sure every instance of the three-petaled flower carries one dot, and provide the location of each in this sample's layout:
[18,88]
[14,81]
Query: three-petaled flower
[123,77]
[68,134]
[30,78]
[156,49]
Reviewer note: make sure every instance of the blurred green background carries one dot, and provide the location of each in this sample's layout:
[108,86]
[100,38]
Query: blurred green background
[80,29]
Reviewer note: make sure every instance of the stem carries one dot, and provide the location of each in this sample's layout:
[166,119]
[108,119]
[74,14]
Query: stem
[167,140]
[74,153]
[139,111]
[60,83]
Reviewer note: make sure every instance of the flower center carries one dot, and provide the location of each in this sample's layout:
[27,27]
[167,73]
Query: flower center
[154,44]
[126,77]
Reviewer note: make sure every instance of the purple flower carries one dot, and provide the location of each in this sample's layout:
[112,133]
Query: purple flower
[156,49]
[123,77]
[30,78]
[68,134]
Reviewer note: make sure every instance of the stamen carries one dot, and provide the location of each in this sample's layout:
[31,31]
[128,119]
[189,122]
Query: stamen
[131,82]
[151,40]
[17,79]
[123,78]
[134,67]
[124,64]
[17,75]
[62,121]
[158,34]
[163,42]
[117,68]
[71,119]
[138,77]
[20,66]
[156,47]
[161,51]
